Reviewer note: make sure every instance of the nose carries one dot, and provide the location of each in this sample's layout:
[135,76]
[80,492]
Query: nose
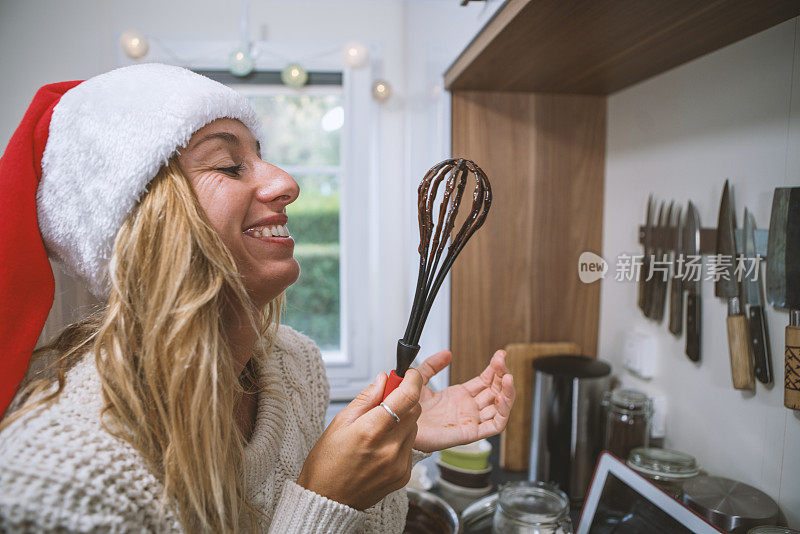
[276,186]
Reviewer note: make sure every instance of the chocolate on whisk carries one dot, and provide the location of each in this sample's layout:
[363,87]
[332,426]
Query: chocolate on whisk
[456,174]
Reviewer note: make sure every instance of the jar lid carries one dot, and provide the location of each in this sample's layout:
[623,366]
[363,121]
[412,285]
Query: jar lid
[629,399]
[663,463]
[533,502]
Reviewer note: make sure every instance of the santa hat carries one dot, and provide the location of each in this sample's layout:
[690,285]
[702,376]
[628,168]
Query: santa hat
[76,166]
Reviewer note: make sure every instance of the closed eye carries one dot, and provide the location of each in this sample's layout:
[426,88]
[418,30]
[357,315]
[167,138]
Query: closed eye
[234,171]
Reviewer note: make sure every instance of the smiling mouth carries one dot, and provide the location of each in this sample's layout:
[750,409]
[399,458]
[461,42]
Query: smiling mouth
[268,231]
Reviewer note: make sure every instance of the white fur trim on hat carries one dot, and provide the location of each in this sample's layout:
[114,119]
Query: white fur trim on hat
[108,138]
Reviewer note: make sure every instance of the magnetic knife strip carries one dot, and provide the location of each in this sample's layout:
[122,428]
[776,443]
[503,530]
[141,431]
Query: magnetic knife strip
[665,237]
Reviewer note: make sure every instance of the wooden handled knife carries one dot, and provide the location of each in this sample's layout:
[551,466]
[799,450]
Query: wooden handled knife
[759,338]
[726,286]
[783,281]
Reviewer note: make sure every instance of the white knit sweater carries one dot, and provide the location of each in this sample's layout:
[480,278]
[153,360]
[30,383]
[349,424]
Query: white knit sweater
[61,471]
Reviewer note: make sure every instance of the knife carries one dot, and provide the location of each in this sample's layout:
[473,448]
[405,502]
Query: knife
[783,281]
[691,247]
[644,303]
[727,287]
[675,287]
[652,257]
[660,278]
[759,337]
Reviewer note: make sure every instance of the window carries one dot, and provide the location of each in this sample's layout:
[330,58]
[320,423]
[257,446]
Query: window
[302,135]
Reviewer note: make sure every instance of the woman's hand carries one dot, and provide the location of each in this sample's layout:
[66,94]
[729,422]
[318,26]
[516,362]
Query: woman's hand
[365,454]
[465,412]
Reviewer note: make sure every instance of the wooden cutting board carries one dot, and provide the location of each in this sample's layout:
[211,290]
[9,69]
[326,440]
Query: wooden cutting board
[515,442]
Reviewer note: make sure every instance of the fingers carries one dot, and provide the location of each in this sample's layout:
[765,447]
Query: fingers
[403,401]
[498,364]
[501,403]
[485,398]
[491,376]
[494,418]
[406,396]
[434,364]
[411,432]
[509,393]
[368,399]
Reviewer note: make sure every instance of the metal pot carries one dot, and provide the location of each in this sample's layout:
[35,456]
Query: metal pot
[428,514]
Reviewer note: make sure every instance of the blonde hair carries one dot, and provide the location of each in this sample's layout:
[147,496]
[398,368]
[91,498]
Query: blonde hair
[168,377]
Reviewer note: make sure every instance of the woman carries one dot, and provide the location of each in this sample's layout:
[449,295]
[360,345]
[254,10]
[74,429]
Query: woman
[182,405]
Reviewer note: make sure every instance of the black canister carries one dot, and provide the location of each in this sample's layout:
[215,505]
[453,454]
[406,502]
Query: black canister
[566,428]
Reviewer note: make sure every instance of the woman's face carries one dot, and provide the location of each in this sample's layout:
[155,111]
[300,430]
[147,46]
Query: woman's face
[245,199]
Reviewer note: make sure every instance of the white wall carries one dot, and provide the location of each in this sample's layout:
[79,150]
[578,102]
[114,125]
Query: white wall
[732,114]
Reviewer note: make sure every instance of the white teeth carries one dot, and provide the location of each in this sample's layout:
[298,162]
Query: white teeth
[274,231]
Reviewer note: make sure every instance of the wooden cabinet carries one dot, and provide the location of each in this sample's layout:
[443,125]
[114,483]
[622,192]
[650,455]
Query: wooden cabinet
[529,107]
[516,281]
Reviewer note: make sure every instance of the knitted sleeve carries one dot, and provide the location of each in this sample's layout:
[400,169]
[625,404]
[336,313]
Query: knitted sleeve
[389,515]
[37,503]
[57,476]
[301,511]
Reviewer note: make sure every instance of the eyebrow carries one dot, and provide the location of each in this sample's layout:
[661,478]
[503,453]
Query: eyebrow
[228,138]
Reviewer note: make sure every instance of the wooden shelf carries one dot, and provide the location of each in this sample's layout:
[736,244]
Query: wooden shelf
[598,47]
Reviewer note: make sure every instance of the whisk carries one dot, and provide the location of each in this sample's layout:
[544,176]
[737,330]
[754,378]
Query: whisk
[455,173]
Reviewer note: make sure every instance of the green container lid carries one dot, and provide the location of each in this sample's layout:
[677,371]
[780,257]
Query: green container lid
[472,456]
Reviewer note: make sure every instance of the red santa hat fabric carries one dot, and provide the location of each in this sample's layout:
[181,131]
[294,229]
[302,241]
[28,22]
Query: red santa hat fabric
[74,169]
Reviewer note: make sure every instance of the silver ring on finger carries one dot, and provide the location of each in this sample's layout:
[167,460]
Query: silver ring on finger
[394,415]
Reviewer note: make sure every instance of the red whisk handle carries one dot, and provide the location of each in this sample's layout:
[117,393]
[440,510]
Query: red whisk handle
[391,384]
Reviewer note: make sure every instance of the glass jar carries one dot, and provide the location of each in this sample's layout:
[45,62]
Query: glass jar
[531,508]
[667,469]
[627,414]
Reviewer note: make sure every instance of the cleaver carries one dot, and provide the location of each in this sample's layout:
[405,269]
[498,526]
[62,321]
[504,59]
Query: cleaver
[783,281]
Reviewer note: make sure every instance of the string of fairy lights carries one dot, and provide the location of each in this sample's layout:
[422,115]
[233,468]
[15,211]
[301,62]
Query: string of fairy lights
[241,61]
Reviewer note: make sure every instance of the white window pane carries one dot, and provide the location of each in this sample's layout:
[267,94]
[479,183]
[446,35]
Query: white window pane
[301,129]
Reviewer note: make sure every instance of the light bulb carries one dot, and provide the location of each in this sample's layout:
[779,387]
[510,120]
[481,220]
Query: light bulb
[355,55]
[294,75]
[240,62]
[133,43]
[381,90]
